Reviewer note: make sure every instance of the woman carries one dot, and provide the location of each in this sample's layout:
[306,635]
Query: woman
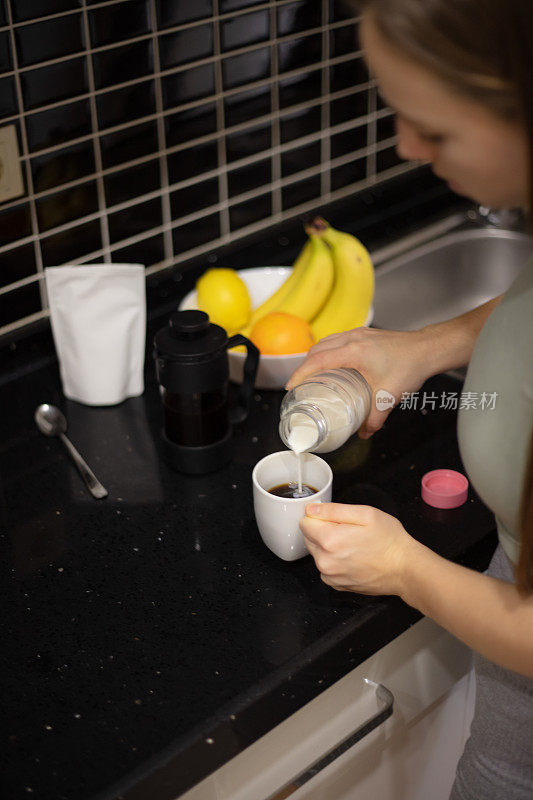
[458,74]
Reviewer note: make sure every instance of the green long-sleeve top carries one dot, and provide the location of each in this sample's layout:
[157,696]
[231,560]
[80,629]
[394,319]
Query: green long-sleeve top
[495,431]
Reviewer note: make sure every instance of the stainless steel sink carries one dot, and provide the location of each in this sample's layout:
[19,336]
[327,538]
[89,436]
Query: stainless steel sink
[447,276]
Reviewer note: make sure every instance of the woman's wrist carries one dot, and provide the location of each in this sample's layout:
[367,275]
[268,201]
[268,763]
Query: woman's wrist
[416,566]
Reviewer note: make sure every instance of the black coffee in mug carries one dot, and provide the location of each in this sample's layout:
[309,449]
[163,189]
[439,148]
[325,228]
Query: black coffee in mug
[290,490]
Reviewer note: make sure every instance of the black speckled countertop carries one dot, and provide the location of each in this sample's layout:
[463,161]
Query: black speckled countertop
[150,637]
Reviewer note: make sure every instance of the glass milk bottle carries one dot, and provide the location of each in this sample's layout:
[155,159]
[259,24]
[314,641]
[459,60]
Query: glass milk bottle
[323,411]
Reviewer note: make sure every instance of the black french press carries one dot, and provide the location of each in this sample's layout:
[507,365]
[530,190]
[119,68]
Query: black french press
[192,370]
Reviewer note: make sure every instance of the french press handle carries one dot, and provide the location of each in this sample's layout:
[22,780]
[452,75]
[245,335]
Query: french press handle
[244,398]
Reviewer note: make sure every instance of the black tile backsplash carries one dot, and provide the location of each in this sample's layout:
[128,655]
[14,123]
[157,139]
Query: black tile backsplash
[193,234]
[18,263]
[178,13]
[123,63]
[62,166]
[129,108]
[192,44]
[49,84]
[15,224]
[190,162]
[246,68]
[6,60]
[116,22]
[126,184]
[66,206]
[386,159]
[129,144]
[352,172]
[299,88]
[19,303]
[300,16]
[244,179]
[244,106]
[8,97]
[301,192]
[194,198]
[60,248]
[344,41]
[248,143]
[349,73]
[300,123]
[250,211]
[134,220]
[245,29]
[148,251]
[126,104]
[300,158]
[32,9]
[184,126]
[298,53]
[58,125]
[192,84]
[350,107]
[347,142]
[52,38]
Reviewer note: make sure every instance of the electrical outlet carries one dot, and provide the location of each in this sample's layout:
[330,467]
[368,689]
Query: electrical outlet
[11,183]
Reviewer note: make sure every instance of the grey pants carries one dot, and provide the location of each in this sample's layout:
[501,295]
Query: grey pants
[497,763]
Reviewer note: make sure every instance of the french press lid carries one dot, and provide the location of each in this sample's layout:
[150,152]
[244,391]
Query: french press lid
[190,353]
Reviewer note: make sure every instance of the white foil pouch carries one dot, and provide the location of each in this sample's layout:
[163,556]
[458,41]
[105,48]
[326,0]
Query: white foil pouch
[98,317]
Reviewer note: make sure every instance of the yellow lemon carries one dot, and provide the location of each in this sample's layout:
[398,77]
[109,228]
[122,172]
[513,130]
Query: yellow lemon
[223,295]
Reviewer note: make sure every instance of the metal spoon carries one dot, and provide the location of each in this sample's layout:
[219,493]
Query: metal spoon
[51,422]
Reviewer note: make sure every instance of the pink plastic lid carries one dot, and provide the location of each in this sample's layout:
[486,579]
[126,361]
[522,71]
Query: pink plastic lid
[444,488]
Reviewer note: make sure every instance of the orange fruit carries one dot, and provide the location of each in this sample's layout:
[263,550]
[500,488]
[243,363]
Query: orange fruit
[279,334]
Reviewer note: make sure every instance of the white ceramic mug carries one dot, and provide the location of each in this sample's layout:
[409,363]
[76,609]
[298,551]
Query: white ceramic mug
[278,518]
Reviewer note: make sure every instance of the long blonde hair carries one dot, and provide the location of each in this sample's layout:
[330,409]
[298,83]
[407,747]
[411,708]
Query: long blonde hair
[484,50]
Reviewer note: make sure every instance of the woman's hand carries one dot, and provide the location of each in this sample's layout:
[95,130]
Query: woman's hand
[394,361]
[358,548]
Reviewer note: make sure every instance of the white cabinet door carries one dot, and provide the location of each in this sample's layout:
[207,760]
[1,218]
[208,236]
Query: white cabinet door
[404,758]
[416,761]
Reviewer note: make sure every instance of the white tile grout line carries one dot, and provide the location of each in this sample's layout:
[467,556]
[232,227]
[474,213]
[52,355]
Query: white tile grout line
[255,227]
[220,137]
[197,215]
[110,3]
[247,161]
[275,126]
[174,70]
[286,111]
[145,37]
[161,140]
[184,26]
[104,222]
[29,176]
[353,124]
[325,144]
[371,133]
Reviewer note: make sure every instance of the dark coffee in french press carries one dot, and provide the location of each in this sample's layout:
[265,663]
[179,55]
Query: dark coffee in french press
[192,369]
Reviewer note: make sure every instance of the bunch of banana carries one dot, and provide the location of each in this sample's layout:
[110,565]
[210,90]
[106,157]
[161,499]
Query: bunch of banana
[349,301]
[306,289]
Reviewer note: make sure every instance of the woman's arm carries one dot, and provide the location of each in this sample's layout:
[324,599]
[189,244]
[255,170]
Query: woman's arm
[432,349]
[362,549]
[449,344]
[489,615]
[397,361]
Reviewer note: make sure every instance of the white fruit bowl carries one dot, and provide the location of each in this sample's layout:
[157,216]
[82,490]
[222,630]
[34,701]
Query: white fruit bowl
[273,371]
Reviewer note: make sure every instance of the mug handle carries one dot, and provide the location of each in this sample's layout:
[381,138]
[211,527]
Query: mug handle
[244,399]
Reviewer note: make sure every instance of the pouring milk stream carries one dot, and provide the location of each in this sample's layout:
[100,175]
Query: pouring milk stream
[321,413]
